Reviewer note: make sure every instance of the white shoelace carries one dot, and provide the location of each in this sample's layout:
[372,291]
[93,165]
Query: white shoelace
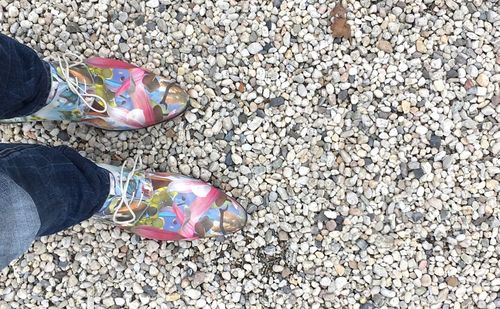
[74,85]
[124,188]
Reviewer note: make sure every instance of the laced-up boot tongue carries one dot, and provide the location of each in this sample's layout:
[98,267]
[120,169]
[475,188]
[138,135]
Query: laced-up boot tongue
[128,195]
[78,78]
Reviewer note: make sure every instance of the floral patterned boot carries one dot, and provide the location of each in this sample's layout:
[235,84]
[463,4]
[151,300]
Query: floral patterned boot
[108,94]
[164,206]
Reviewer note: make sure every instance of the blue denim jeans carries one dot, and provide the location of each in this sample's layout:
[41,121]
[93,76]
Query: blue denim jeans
[24,79]
[19,223]
[56,183]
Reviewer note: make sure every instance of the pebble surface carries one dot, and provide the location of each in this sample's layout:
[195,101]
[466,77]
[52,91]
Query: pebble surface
[370,166]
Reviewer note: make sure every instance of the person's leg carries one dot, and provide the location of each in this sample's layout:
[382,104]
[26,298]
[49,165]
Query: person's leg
[105,93]
[19,222]
[24,79]
[65,187]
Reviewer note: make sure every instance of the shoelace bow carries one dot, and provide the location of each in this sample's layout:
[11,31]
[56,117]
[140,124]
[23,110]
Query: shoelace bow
[73,83]
[124,189]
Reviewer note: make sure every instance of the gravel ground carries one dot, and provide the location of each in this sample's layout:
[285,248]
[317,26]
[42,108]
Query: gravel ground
[370,166]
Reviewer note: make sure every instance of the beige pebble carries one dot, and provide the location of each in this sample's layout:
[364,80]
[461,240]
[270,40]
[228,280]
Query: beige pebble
[405,106]
[421,48]
[353,264]
[181,71]
[426,280]
[340,269]
[173,297]
[452,281]
[355,212]
[385,46]
[491,184]
[482,80]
